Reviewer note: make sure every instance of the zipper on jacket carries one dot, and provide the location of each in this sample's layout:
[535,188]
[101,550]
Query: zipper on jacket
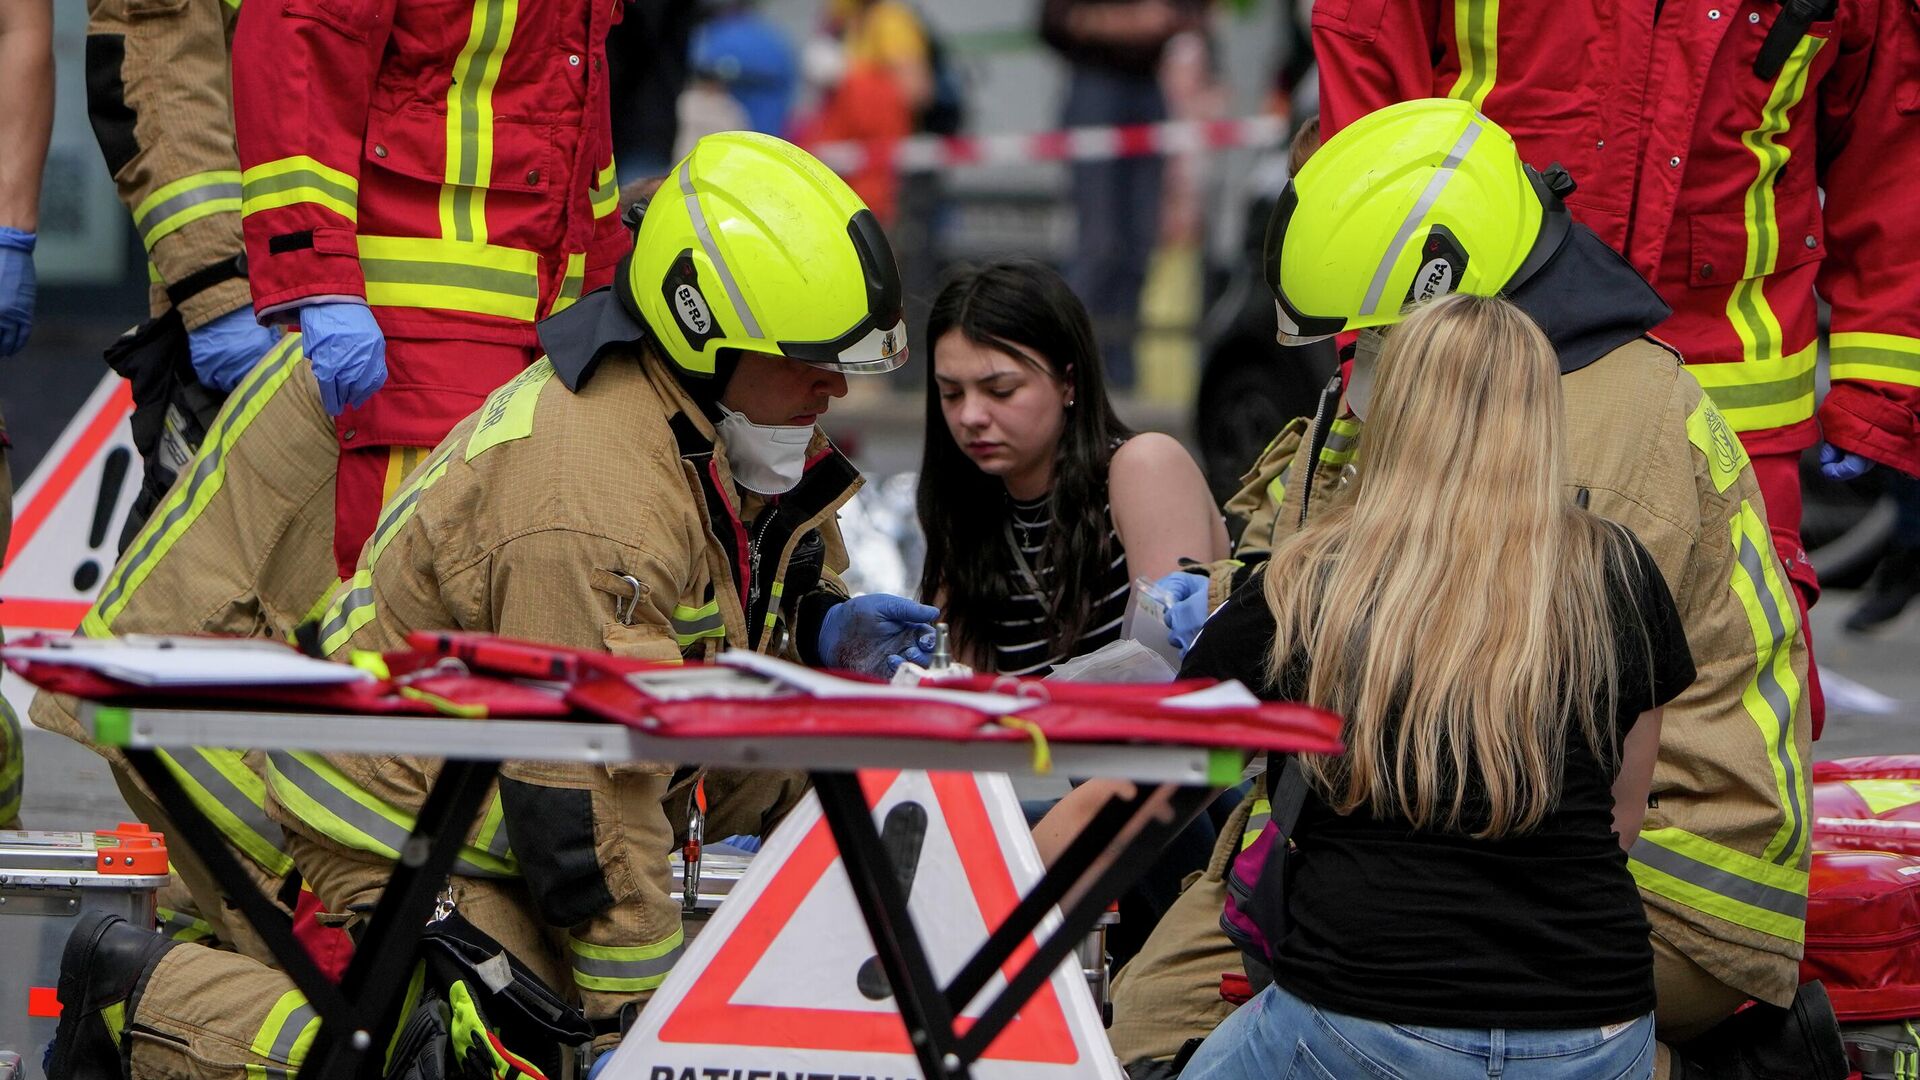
[1317,441]
[753,569]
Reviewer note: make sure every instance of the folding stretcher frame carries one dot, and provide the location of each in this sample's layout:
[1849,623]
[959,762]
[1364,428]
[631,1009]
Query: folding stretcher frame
[1173,784]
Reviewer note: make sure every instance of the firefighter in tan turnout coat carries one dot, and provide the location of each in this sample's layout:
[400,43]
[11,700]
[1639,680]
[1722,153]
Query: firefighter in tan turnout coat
[1722,860]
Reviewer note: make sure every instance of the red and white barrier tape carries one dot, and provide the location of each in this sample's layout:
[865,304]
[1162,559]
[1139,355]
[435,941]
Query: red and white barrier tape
[926,153]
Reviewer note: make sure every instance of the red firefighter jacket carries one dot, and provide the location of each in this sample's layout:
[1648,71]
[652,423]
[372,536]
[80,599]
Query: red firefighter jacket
[449,161]
[1707,175]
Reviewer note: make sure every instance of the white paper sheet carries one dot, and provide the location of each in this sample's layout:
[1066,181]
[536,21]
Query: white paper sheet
[192,662]
[829,687]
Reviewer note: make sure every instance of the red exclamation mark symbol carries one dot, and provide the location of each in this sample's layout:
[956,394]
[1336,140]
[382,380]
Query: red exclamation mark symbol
[112,475]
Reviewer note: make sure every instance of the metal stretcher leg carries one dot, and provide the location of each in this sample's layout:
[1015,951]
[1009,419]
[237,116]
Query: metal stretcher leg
[884,906]
[356,1015]
[1087,901]
[1114,850]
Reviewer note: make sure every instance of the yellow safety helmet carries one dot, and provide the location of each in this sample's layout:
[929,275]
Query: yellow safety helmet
[1416,200]
[752,244]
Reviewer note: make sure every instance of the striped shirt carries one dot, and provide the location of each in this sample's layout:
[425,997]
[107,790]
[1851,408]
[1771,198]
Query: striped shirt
[1021,639]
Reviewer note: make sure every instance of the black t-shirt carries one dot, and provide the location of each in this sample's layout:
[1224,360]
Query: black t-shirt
[1538,930]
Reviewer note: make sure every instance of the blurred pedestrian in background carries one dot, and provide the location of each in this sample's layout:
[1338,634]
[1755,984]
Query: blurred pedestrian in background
[647,58]
[706,107]
[868,66]
[1114,49]
[1165,353]
[739,46]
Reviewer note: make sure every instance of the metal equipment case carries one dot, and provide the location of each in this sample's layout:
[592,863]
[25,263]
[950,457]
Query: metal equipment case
[46,880]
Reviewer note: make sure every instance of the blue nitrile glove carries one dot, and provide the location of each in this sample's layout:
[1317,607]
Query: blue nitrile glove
[871,634]
[16,289]
[599,1064]
[1189,610]
[225,349]
[348,351]
[748,844]
[1837,464]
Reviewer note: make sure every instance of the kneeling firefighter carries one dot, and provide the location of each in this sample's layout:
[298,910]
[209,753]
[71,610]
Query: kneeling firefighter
[1427,197]
[655,486]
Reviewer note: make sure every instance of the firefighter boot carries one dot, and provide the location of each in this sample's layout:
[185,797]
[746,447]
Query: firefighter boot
[1801,1042]
[102,972]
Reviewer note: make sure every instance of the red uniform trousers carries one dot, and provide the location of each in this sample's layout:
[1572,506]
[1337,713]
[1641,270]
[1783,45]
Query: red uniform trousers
[374,460]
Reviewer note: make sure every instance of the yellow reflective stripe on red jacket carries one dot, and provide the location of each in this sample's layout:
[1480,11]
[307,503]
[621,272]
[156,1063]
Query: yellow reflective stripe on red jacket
[463,200]
[1476,35]
[451,275]
[1747,307]
[604,196]
[624,969]
[571,282]
[174,206]
[290,181]
[1755,395]
[1887,358]
[284,1037]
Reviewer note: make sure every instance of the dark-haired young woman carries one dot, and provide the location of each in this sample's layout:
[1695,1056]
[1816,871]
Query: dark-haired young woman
[1040,507]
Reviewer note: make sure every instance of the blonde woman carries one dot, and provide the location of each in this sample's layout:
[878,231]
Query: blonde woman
[1457,901]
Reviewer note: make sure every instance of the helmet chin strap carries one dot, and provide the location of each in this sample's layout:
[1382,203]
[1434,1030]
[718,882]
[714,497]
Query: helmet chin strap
[705,390]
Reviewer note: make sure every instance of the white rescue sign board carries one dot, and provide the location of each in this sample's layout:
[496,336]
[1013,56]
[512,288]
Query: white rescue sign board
[783,984]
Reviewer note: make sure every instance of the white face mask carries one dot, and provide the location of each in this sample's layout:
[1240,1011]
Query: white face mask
[766,458]
[1366,357]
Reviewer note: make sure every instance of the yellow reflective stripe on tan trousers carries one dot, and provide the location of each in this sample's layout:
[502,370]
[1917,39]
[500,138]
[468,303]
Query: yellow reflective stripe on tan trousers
[322,797]
[624,969]
[285,1037]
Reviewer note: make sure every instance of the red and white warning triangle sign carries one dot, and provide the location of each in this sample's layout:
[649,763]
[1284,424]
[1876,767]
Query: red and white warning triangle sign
[66,523]
[783,981]
[67,516]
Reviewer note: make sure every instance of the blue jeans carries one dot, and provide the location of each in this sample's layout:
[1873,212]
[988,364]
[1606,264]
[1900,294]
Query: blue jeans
[1276,1036]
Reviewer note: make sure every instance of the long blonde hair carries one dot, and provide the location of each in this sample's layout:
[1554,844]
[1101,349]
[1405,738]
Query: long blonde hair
[1456,612]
